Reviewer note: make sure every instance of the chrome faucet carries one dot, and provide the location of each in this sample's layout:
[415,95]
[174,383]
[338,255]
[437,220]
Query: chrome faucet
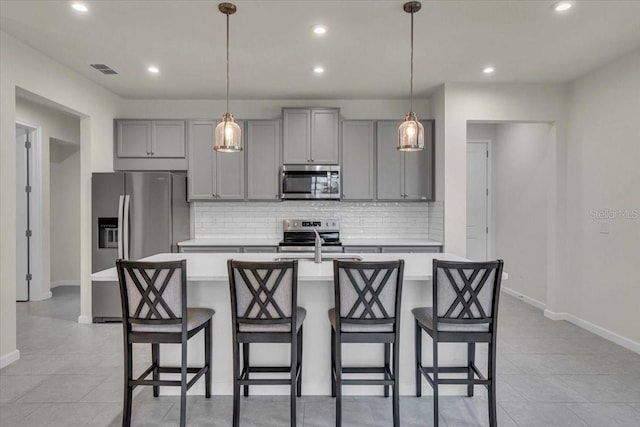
[318,248]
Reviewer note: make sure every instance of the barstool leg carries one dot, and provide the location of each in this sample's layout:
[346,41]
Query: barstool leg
[387,365]
[183,385]
[338,381]
[299,383]
[245,364]
[493,422]
[207,358]
[396,387]
[333,363]
[128,390]
[418,345]
[292,372]
[155,361]
[435,382]
[236,385]
[471,360]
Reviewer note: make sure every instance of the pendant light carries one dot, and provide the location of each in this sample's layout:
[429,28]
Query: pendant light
[411,132]
[228,133]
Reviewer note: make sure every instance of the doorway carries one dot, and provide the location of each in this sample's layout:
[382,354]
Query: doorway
[26,138]
[478,206]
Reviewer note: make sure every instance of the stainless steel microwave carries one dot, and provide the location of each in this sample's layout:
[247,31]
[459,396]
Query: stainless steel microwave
[302,182]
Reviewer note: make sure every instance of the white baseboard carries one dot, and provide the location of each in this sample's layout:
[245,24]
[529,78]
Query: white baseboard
[65,283]
[83,318]
[598,330]
[9,358]
[40,297]
[531,301]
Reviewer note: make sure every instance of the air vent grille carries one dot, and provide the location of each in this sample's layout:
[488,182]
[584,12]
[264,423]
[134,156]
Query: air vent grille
[104,69]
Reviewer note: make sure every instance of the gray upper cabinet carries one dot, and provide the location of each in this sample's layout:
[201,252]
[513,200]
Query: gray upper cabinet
[263,159]
[150,145]
[213,175]
[404,175]
[358,145]
[310,135]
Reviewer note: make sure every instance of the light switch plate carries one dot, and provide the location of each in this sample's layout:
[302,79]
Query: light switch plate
[604,227]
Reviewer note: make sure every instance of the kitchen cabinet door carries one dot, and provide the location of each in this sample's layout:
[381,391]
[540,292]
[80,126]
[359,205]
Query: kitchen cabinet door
[168,139]
[390,171]
[230,172]
[201,174]
[263,159]
[358,167]
[296,135]
[419,168]
[324,136]
[133,138]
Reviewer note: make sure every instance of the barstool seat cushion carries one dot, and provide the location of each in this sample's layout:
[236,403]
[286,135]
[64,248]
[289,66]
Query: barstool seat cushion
[195,317]
[301,313]
[352,327]
[424,316]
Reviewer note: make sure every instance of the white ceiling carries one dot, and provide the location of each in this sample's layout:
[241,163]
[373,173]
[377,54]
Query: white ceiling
[365,53]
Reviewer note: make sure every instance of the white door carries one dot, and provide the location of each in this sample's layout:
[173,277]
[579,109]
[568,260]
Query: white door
[477,200]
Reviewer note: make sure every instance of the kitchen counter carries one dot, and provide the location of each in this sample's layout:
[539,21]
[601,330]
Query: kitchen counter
[244,242]
[208,287]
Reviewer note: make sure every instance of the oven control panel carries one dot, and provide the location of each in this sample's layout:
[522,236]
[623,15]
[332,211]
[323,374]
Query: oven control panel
[311,224]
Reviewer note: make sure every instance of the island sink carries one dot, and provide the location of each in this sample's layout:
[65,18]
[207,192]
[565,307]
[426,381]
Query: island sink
[310,257]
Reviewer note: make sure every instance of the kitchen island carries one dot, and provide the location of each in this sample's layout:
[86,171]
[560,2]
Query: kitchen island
[208,287]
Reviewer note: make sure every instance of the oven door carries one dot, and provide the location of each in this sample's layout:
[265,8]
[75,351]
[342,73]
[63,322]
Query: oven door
[301,182]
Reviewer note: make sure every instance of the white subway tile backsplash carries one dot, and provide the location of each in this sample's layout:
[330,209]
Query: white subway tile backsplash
[370,219]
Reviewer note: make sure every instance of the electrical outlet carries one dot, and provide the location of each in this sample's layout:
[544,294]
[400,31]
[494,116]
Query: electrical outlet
[604,227]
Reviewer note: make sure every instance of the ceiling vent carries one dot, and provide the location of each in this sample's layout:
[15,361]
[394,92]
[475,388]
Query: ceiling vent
[104,69]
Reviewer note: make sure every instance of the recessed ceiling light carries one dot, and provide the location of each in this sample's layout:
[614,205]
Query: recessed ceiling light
[561,6]
[488,70]
[319,29]
[80,7]
[318,69]
[154,70]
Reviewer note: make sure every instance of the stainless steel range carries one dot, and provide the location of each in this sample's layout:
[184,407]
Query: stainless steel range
[300,236]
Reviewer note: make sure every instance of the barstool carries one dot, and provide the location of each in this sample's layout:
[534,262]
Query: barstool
[367,297]
[465,301]
[263,298]
[154,310]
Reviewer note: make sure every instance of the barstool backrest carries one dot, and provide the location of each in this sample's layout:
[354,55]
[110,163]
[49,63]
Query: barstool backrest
[466,292]
[367,293]
[263,293]
[152,293]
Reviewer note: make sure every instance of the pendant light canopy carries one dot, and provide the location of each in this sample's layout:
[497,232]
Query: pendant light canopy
[228,133]
[411,131]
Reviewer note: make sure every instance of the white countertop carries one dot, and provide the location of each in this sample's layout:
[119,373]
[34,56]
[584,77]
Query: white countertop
[346,241]
[203,267]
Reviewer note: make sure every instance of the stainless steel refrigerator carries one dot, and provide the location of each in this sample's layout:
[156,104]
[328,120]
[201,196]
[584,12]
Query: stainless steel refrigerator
[134,215]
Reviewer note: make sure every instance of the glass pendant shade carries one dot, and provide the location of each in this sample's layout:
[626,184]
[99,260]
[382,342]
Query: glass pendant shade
[228,135]
[410,134]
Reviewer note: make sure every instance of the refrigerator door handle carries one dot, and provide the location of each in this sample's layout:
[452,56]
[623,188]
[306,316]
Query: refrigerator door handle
[120,234]
[126,226]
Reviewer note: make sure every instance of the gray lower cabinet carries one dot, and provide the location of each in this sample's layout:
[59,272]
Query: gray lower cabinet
[361,249]
[150,145]
[310,135]
[411,249]
[210,249]
[404,175]
[212,176]
[358,152]
[260,249]
[263,159]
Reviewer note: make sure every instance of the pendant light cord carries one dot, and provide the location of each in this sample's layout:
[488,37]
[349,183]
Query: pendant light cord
[411,85]
[228,62]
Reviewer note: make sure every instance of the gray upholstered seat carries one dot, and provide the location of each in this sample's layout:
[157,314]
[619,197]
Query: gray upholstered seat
[424,316]
[352,327]
[195,318]
[301,313]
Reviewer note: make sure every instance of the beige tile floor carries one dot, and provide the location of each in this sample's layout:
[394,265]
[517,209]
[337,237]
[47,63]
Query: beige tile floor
[550,373]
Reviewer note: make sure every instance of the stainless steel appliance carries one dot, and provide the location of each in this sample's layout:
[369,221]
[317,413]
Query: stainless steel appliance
[310,182]
[299,235]
[134,215]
